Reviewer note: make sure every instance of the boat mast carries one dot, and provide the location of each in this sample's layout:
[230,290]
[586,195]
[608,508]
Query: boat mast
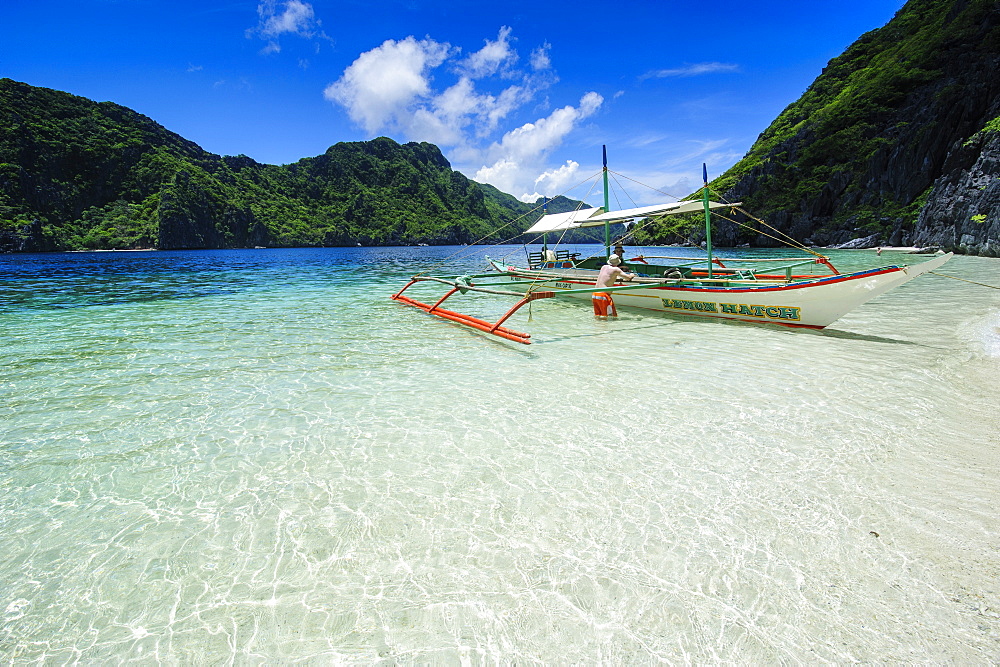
[607,206]
[545,237]
[708,217]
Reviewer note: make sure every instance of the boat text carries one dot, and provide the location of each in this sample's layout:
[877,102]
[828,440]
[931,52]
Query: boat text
[764,312]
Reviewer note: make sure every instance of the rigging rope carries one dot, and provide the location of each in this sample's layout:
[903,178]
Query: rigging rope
[963,280]
[665,194]
[579,206]
[483,238]
[472,246]
[788,240]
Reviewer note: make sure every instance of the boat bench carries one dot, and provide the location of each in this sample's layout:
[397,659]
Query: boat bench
[564,260]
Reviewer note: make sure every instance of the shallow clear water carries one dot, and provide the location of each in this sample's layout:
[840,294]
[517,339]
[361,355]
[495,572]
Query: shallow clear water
[256,456]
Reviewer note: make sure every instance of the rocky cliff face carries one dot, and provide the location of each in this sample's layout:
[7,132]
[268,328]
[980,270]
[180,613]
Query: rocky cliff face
[963,210]
[895,141]
[190,215]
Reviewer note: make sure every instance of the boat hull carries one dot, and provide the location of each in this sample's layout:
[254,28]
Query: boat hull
[814,303]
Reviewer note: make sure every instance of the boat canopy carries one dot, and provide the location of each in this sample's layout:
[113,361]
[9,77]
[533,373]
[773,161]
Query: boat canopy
[594,217]
[557,221]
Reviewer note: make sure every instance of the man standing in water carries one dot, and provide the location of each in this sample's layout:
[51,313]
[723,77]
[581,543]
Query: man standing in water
[610,273]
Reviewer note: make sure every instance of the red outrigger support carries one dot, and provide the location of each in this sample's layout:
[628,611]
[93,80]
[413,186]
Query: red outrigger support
[825,261]
[474,322]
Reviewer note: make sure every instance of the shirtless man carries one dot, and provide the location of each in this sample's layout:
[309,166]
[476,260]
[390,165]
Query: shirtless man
[610,273]
[602,301]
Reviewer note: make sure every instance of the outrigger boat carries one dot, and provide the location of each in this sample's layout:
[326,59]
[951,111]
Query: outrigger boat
[778,291]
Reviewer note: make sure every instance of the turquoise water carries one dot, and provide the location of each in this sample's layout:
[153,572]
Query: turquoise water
[256,456]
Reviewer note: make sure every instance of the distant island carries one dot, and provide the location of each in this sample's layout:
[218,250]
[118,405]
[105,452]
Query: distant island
[897,142]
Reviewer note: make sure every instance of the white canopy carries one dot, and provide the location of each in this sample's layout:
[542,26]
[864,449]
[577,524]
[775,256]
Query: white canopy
[592,217]
[558,221]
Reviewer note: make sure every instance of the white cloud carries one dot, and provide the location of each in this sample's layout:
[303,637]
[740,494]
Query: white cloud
[379,87]
[435,129]
[518,157]
[555,181]
[691,70]
[535,139]
[500,107]
[488,60]
[390,89]
[540,58]
[296,17]
[503,173]
[291,17]
[395,89]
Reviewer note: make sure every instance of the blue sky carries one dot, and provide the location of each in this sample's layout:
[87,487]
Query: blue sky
[518,94]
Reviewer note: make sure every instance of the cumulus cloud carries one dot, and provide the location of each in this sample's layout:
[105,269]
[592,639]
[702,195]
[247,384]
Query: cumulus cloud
[554,181]
[691,70]
[426,90]
[503,173]
[379,87]
[390,88]
[520,154]
[534,139]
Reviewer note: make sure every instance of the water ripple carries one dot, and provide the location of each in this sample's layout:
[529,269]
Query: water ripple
[257,460]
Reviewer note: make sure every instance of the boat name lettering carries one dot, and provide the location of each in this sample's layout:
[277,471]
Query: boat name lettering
[701,306]
[772,312]
[765,312]
[563,285]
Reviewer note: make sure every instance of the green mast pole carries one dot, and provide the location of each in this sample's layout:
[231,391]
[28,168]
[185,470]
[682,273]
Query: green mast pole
[545,237]
[607,207]
[708,218]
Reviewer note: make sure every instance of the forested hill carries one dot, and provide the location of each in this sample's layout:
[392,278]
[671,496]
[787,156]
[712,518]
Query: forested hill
[77,174]
[898,140]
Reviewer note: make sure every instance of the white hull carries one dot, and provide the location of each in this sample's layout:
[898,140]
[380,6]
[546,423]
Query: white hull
[806,303]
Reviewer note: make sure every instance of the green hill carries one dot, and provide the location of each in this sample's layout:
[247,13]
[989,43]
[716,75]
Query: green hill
[77,174]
